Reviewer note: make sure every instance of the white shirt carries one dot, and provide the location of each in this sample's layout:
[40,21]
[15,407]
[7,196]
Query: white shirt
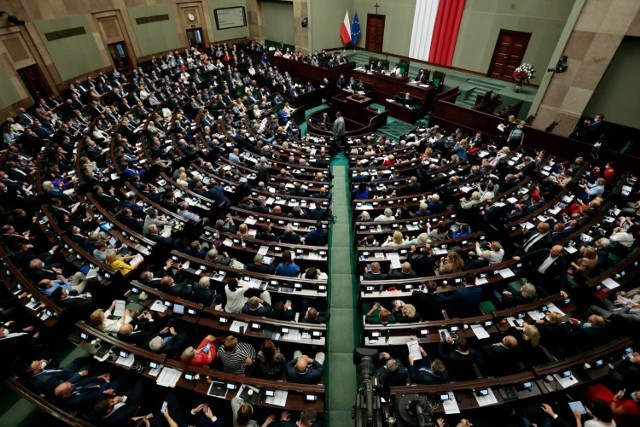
[546,264]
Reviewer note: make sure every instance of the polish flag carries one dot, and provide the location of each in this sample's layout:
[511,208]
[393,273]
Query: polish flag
[345,30]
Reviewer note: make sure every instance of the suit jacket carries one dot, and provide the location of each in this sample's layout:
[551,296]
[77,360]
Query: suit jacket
[429,306]
[464,302]
[544,242]
[555,274]
[311,376]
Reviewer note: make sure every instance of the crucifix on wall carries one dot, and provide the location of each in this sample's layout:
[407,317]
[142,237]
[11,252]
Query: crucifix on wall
[376,6]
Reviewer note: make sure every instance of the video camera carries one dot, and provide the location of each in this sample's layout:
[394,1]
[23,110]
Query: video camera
[409,410]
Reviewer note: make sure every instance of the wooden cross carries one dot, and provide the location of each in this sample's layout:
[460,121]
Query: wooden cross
[376,6]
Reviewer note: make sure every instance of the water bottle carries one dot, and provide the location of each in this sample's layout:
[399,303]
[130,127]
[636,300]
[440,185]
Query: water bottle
[386,337]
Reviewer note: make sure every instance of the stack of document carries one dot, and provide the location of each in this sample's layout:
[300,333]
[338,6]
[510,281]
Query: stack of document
[168,377]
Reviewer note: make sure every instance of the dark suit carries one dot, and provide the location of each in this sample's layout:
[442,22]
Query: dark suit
[311,376]
[555,274]
[429,306]
[543,242]
[459,365]
[397,378]
[464,302]
[499,360]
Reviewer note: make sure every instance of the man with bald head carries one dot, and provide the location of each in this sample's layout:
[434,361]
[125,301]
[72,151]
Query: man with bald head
[547,267]
[501,358]
[304,370]
[405,272]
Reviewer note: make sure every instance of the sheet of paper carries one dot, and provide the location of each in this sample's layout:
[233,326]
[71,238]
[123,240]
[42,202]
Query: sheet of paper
[250,221]
[489,399]
[168,377]
[158,306]
[414,350]
[506,272]
[237,324]
[567,381]
[155,372]
[126,361]
[119,308]
[279,398]
[450,405]
[536,314]
[610,283]
[480,331]
[481,281]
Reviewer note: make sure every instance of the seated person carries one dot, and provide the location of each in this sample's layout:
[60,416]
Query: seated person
[312,315]
[203,355]
[304,370]
[258,307]
[168,341]
[459,357]
[425,371]
[377,315]
[393,372]
[501,358]
[287,267]
[507,299]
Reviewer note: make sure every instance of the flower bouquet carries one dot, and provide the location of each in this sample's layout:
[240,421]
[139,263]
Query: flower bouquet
[523,73]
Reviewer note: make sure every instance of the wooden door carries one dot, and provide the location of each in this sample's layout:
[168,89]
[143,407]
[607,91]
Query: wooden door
[508,54]
[194,36]
[118,53]
[34,82]
[375,32]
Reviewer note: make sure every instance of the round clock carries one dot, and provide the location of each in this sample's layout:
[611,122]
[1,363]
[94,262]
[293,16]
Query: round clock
[191,17]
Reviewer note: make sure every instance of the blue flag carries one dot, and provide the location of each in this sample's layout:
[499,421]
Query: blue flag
[355,29]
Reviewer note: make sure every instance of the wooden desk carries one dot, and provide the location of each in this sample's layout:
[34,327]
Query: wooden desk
[390,86]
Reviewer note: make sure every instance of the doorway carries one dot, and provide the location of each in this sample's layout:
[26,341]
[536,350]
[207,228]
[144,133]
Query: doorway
[194,37]
[118,53]
[375,32]
[34,82]
[508,53]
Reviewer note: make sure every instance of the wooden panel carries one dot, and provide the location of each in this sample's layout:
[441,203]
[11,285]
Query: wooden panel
[451,116]
[375,32]
[110,29]
[195,12]
[16,48]
[507,56]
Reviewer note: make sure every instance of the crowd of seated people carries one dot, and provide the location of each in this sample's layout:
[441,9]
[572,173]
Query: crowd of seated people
[558,220]
[139,150]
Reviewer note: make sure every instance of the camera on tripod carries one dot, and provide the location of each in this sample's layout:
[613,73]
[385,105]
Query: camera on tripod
[406,410]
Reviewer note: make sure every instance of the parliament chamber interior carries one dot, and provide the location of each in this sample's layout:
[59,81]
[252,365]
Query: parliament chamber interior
[319,213]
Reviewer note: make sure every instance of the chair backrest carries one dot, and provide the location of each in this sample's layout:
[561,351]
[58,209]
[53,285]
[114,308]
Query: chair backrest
[438,78]
[404,66]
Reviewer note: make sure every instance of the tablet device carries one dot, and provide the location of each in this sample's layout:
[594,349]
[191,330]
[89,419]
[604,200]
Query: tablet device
[577,406]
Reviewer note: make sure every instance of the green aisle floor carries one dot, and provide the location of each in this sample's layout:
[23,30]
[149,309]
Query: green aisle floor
[344,327]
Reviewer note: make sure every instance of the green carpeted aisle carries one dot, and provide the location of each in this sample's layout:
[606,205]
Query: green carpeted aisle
[344,326]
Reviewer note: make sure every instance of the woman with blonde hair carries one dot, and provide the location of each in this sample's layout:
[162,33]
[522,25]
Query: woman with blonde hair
[450,264]
[105,320]
[588,263]
[203,355]
[532,334]
[119,262]
[421,240]
[396,240]
[476,197]
[497,252]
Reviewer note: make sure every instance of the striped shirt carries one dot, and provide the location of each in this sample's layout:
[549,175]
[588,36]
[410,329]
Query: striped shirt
[234,362]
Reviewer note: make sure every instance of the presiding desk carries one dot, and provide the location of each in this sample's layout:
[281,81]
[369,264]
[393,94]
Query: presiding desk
[389,86]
